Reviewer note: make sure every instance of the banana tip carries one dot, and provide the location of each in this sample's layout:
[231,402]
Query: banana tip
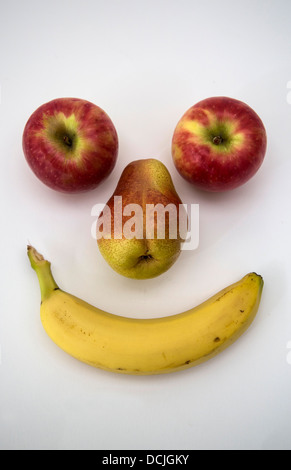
[34,256]
[258,277]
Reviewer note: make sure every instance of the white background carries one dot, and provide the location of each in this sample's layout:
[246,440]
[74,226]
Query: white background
[145,63]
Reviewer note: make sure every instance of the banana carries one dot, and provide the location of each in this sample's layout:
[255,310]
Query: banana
[145,346]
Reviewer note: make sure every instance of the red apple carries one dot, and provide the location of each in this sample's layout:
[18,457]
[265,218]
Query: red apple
[70,144]
[219,144]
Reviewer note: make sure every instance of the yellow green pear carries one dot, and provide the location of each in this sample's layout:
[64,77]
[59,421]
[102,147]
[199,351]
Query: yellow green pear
[139,231]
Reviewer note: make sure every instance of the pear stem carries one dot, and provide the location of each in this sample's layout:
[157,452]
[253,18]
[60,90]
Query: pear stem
[42,268]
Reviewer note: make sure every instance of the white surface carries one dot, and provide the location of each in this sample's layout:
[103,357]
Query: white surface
[145,63]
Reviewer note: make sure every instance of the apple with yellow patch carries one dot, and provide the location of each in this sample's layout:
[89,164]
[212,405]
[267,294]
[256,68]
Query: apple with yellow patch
[70,144]
[219,144]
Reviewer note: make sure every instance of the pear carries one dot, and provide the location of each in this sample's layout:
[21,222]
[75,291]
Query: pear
[138,231]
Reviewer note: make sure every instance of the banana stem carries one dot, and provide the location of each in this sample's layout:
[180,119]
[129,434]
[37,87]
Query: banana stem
[42,268]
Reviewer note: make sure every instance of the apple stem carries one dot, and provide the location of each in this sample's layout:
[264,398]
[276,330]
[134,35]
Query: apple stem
[68,141]
[217,140]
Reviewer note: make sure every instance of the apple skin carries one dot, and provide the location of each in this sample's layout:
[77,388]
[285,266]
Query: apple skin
[219,144]
[70,144]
